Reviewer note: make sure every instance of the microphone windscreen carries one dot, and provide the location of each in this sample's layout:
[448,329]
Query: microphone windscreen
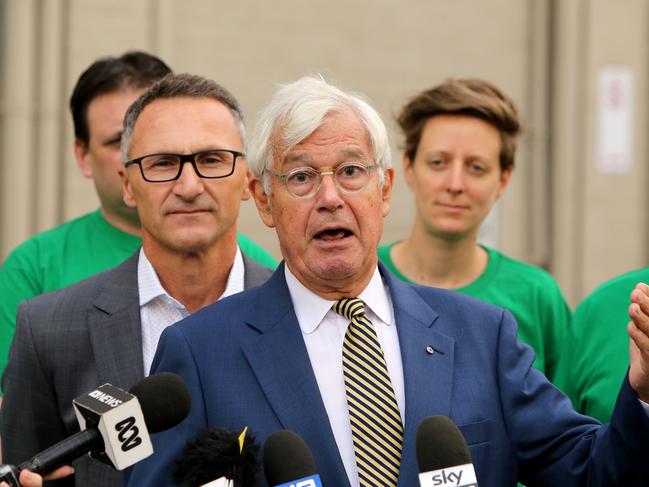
[440,444]
[164,399]
[286,457]
[215,453]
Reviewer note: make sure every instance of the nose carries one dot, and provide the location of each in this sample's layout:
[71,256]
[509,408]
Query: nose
[328,194]
[455,181]
[189,184]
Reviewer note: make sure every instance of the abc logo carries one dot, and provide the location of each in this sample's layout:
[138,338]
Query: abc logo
[128,434]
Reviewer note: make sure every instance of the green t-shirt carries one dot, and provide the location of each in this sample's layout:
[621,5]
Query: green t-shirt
[529,293]
[597,348]
[67,254]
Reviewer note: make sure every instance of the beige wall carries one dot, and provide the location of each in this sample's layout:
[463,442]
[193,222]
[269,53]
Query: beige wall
[558,211]
[599,221]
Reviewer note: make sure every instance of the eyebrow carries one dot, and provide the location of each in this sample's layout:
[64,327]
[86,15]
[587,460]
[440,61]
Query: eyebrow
[306,158]
[300,157]
[113,138]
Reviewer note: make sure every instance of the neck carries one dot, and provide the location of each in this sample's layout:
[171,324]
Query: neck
[433,260]
[126,221]
[338,288]
[195,279]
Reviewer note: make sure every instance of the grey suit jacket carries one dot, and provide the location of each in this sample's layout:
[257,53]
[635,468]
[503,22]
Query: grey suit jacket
[68,342]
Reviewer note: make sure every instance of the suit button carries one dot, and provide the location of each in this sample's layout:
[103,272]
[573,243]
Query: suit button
[430,350]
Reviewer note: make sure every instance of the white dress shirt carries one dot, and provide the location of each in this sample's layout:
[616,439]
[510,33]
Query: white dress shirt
[158,309]
[324,332]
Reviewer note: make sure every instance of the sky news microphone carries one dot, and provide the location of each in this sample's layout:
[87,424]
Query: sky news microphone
[443,455]
[115,425]
[288,461]
[218,457]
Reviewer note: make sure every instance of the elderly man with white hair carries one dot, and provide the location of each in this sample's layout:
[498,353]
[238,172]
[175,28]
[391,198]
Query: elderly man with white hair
[337,349]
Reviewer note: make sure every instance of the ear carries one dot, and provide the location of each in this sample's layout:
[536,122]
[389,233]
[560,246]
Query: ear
[127,190]
[386,190]
[83,156]
[262,200]
[504,180]
[245,193]
[408,170]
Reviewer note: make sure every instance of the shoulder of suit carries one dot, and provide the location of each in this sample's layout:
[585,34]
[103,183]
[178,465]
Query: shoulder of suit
[79,293]
[255,272]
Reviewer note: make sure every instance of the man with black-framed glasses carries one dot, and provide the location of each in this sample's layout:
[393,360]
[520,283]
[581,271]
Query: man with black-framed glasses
[185,172]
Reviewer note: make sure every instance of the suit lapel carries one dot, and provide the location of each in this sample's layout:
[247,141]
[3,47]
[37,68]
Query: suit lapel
[278,357]
[114,323]
[428,377]
[254,274]
[280,361]
[114,327]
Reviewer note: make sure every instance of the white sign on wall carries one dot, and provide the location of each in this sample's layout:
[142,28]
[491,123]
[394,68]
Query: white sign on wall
[615,98]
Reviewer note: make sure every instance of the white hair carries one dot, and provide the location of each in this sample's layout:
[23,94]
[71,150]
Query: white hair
[297,110]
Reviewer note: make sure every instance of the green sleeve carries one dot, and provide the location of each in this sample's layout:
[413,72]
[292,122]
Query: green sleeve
[566,377]
[596,355]
[556,320]
[19,281]
[256,252]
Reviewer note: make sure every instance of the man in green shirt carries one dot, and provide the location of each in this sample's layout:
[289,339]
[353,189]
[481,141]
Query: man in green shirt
[597,348]
[107,236]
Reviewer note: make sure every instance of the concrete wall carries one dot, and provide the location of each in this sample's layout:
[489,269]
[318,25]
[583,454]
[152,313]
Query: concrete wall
[559,211]
[599,220]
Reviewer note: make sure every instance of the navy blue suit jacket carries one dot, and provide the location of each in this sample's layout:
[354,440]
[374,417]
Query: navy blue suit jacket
[245,362]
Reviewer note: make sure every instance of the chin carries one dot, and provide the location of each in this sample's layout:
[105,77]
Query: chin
[338,268]
[189,244]
[447,229]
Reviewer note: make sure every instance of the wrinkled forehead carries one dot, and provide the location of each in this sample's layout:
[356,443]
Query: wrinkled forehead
[185,125]
[339,136]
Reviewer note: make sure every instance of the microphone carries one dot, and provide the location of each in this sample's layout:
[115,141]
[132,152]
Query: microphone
[443,455]
[216,453]
[115,425]
[288,461]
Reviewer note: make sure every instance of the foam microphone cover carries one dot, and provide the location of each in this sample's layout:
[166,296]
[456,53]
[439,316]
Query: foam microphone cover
[164,399]
[440,444]
[286,458]
[215,453]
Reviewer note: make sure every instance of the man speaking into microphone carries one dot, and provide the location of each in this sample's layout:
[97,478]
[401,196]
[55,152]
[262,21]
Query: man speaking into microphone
[337,349]
[185,172]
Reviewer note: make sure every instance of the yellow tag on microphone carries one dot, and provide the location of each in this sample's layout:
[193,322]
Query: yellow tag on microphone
[242,438]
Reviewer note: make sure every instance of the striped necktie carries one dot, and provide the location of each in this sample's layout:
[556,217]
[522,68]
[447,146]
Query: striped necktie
[377,431]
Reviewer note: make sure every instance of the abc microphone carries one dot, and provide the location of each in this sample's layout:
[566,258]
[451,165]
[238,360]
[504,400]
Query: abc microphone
[288,461]
[443,455]
[115,425]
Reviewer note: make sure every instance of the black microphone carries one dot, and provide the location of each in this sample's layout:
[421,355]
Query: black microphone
[115,425]
[288,461]
[443,455]
[215,456]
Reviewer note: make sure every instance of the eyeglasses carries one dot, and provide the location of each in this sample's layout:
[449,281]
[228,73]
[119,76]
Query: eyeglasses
[209,164]
[304,182]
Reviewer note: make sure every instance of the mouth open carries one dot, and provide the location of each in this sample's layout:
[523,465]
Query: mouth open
[333,234]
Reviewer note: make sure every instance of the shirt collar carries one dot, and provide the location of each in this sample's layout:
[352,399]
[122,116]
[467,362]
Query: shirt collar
[236,279]
[149,284]
[150,287]
[311,309]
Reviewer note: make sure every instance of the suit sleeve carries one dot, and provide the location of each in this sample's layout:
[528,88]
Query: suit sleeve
[173,355]
[29,418]
[554,444]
